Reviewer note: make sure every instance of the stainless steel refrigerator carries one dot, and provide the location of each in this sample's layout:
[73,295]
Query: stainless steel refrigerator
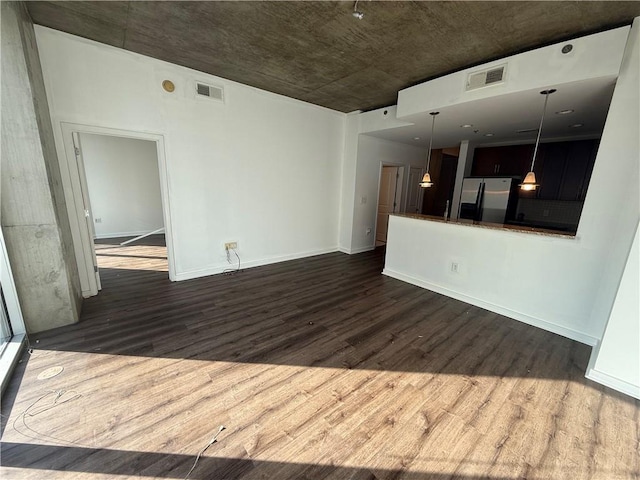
[487,199]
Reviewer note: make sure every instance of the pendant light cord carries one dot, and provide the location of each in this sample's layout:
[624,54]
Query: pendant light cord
[544,110]
[433,124]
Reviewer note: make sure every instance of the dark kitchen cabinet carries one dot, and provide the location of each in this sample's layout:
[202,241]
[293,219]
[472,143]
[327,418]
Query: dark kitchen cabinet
[550,166]
[563,169]
[510,161]
[577,171]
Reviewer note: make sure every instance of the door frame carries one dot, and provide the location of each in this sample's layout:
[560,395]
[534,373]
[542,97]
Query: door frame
[399,191]
[74,183]
[12,350]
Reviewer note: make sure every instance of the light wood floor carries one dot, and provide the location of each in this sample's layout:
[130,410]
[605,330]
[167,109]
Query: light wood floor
[319,368]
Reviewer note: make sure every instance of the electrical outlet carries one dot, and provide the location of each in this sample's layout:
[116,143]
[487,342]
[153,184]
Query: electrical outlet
[231,246]
[454,267]
[545,213]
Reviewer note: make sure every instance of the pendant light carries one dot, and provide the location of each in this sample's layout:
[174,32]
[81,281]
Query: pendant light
[426,179]
[529,182]
[357,13]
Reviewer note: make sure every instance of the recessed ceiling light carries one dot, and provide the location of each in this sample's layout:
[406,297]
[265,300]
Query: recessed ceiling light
[488,134]
[577,125]
[466,125]
[416,138]
[527,130]
[565,112]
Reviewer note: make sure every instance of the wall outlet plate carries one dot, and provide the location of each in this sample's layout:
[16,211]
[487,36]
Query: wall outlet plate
[231,246]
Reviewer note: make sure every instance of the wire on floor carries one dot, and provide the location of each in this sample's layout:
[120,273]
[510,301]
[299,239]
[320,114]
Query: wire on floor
[231,271]
[201,452]
[40,406]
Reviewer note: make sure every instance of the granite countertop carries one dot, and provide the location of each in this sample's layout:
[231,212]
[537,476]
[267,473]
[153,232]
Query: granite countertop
[493,226]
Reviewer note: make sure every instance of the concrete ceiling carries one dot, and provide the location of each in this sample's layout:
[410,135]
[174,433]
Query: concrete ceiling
[318,52]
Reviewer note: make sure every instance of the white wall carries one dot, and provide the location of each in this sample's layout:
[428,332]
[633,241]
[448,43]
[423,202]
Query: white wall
[260,169]
[593,56]
[542,281]
[371,154]
[616,361]
[612,206]
[566,285]
[124,185]
[381,119]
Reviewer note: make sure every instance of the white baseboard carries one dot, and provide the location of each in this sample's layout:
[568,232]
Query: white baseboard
[608,380]
[613,382]
[521,317]
[353,251]
[253,263]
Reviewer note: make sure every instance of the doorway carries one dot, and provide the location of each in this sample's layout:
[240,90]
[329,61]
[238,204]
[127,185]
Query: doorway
[389,196]
[123,183]
[117,196]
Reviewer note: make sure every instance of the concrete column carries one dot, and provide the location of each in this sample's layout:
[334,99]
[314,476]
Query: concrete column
[347,201]
[33,213]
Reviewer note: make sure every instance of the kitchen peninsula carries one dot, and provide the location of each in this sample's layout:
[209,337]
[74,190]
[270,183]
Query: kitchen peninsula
[538,277]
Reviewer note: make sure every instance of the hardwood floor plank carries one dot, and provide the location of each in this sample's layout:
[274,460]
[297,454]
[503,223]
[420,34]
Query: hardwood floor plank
[319,368]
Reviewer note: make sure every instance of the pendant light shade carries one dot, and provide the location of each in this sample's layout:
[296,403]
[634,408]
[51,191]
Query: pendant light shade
[529,182]
[426,179]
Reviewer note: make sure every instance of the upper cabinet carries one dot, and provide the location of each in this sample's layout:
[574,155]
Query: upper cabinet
[511,161]
[563,169]
[549,169]
[577,170]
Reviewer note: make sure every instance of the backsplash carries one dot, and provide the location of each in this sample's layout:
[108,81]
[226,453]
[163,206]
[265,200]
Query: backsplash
[556,212]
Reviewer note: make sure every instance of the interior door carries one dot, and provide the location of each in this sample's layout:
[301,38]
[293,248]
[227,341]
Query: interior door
[413,199]
[386,201]
[92,261]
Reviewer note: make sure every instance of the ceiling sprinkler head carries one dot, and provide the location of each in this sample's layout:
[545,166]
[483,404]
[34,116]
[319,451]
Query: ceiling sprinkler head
[358,15]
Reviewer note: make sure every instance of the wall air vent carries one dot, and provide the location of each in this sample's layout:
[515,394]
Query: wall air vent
[209,91]
[486,78]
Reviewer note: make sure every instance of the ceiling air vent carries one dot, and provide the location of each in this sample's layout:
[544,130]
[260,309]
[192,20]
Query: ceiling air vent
[209,91]
[485,78]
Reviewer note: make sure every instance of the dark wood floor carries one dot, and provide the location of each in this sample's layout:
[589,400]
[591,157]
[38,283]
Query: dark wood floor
[318,368]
